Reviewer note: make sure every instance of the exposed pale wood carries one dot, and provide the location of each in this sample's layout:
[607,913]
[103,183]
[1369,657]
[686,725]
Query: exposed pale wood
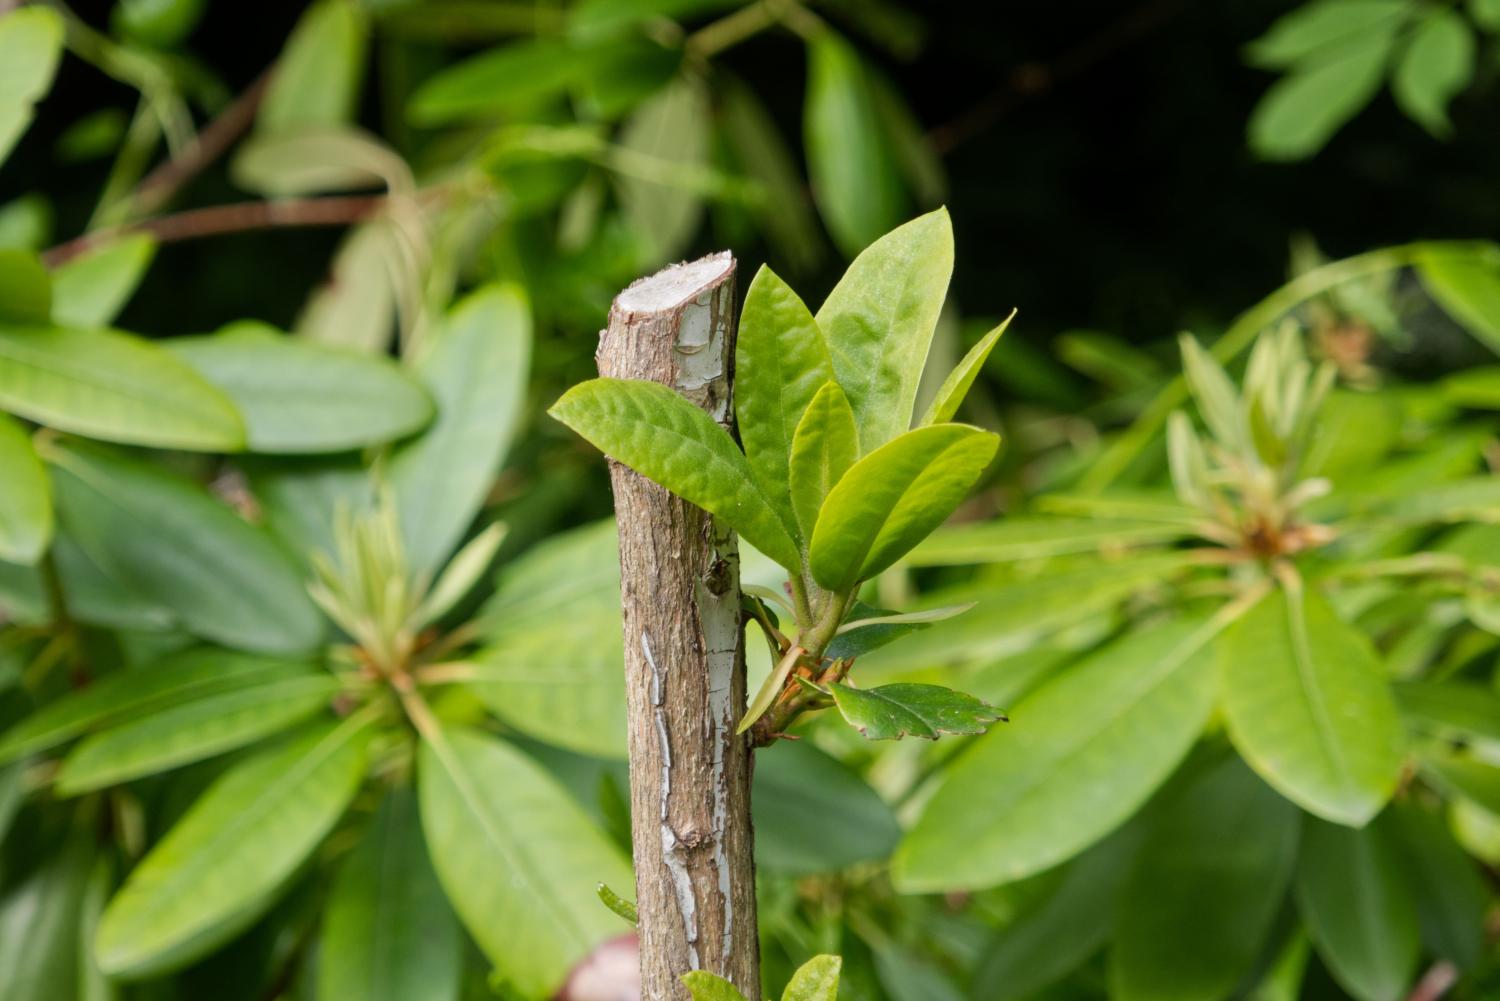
[684,654]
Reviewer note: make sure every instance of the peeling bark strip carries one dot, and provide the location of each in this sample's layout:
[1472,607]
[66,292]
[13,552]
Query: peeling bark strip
[684,654]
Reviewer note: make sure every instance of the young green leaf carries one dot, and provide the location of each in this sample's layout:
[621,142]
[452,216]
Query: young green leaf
[867,628]
[705,986]
[31,42]
[1218,400]
[91,289]
[517,857]
[460,576]
[1307,704]
[317,78]
[816,980]
[892,498]
[950,395]
[114,387]
[891,712]
[662,436]
[824,445]
[388,933]
[879,320]
[222,863]
[781,366]
[25,497]
[1302,110]
[1437,64]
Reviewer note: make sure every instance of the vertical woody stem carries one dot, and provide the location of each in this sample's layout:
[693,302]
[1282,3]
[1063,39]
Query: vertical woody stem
[684,654]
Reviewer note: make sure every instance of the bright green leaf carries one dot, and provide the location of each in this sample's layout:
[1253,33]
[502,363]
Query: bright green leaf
[316,81]
[25,288]
[25,497]
[950,395]
[91,289]
[1324,26]
[1468,289]
[1486,13]
[1302,110]
[816,980]
[890,712]
[31,42]
[705,986]
[824,445]
[1437,64]
[460,576]
[515,77]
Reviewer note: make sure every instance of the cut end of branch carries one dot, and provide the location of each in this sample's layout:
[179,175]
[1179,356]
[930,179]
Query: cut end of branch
[676,285]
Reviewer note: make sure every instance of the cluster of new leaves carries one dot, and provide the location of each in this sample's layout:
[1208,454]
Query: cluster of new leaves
[836,481]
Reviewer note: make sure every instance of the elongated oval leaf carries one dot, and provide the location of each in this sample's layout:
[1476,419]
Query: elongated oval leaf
[1302,111]
[318,75]
[513,77]
[191,731]
[950,395]
[25,497]
[879,321]
[1205,889]
[662,436]
[670,132]
[1437,64]
[297,396]
[39,921]
[1451,893]
[890,712]
[1030,538]
[1307,705]
[815,814]
[224,579]
[517,857]
[1358,905]
[824,445]
[388,932]
[892,498]
[114,387]
[31,41]
[1081,754]
[475,368]
[233,849]
[780,365]
[25,288]
[90,290]
[705,986]
[1322,26]
[815,980]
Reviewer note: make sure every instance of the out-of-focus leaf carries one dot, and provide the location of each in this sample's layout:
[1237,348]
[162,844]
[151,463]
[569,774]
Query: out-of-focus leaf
[388,932]
[815,814]
[296,396]
[1308,706]
[784,211]
[513,78]
[1081,754]
[917,161]
[1353,432]
[1358,905]
[193,730]
[115,387]
[460,576]
[1204,890]
[593,18]
[950,395]
[1476,498]
[356,307]
[1324,26]
[220,866]
[1450,710]
[576,568]
[824,445]
[225,579]
[517,857]
[890,712]
[1029,538]
[475,368]
[1477,387]
[25,497]
[160,24]
[815,980]
[92,288]
[849,162]
[300,498]
[1437,64]
[666,136]
[25,288]
[310,161]
[26,223]
[317,79]
[1468,289]
[1450,890]
[1302,110]
[39,923]
[92,137]
[31,42]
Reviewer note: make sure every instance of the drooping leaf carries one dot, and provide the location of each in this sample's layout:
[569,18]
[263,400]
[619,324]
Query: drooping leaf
[518,859]
[388,933]
[221,865]
[1357,903]
[296,396]
[31,41]
[854,177]
[950,395]
[190,731]
[1308,707]
[705,986]
[662,436]
[815,980]
[781,365]
[1468,289]
[867,628]
[815,814]
[1437,64]
[668,136]
[879,320]
[25,497]
[1029,538]
[890,712]
[224,579]
[115,387]
[317,79]
[1324,26]
[892,498]
[90,290]
[25,288]
[1081,754]
[824,445]
[1204,890]
[475,367]
[1302,110]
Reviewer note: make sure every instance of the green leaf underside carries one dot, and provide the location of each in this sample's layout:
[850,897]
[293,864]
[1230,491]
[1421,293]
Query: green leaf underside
[25,497]
[878,322]
[114,387]
[950,395]
[518,859]
[1307,705]
[780,365]
[892,498]
[1080,755]
[1030,538]
[191,731]
[891,712]
[240,842]
[662,436]
[824,445]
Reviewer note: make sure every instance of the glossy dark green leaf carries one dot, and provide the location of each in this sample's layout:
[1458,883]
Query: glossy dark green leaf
[388,932]
[115,387]
[890,712]
[867,628]
[296,396]
[224,579]
[25,497]
[1357,903]
[31,42]
[317,78]
[221,864]
[25,288]
[824,445]
[90,289]
[814,814]
[1206,886]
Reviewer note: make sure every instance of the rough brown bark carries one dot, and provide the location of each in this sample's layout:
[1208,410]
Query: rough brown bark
[684,654]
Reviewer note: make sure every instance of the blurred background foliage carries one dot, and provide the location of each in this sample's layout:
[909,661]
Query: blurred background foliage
[404,222]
